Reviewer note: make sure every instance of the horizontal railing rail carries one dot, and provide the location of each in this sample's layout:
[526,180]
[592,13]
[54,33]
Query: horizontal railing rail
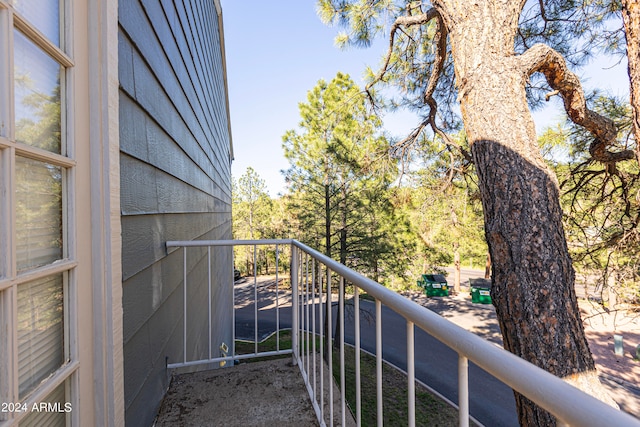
[311,277]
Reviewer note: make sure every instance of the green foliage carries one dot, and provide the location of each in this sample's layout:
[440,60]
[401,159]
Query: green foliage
[600,201]
[446,215]
[42,126]
[554,145]
[340,179]
[412,59]
[251,206]
[251,213]
[575,28]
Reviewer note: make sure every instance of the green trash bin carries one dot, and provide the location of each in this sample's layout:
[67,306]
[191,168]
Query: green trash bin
[435,285]
[480,291]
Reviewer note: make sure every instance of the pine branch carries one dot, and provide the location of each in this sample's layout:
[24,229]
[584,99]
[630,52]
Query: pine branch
[401,21]
[541,58]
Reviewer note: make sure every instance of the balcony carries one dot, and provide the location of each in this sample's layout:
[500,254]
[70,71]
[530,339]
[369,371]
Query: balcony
[296,298]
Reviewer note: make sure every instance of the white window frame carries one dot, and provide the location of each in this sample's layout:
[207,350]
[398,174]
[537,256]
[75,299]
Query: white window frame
[10,280]
[92,249]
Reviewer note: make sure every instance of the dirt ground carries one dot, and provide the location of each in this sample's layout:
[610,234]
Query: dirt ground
[229,397]
[260,394]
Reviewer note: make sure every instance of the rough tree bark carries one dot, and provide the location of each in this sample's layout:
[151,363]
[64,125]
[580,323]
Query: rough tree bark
[487,268]
[533,279]
[456,271]
[631,19]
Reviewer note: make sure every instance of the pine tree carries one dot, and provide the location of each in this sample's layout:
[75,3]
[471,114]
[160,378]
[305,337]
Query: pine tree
[482,56]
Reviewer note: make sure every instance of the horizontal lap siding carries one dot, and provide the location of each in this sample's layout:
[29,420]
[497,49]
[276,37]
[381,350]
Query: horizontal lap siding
[175,185]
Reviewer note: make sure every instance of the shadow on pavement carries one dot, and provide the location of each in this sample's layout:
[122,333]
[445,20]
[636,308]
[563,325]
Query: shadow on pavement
[477,318]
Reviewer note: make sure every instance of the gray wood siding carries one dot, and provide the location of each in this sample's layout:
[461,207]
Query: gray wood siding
[175,185]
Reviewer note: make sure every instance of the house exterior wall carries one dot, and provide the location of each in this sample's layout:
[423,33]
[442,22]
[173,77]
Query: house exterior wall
[175,155]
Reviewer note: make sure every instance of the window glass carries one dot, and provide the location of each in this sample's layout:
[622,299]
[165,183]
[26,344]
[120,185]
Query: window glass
[42,14]
[40,331]
[38,213]
[55,413]
[37,96]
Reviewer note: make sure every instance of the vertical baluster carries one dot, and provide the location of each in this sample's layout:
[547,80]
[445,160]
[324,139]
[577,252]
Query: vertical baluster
[294,304]
[255,302]
[277,304]
[313,322]
[330,345]
[306,305]
[209,294]
[463,390]
[233,310]
[356,302]
[321,333]
[184,304]
[379,362]
[411,377]
[342,379]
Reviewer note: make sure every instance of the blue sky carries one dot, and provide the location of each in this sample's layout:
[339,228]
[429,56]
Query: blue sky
[277,50]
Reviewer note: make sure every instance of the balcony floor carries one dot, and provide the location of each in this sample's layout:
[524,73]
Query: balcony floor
[252,394]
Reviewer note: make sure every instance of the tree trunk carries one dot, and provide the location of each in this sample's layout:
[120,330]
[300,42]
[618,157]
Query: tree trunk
[533,279]
[343,260]
[631,19]
[456,271]
[487,268]
[327,239]
[327,221]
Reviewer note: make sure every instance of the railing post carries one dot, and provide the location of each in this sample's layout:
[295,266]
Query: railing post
[294,303]
[463,390]
[411,375]
[209,297]
[356,310]
[342,373]
[184,304]
[277,301]
[233,310]
[255,301]
[311,338]
[322,338]
[379,407]
[330,344]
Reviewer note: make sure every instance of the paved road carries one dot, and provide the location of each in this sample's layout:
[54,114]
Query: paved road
[467,273]
[491,402]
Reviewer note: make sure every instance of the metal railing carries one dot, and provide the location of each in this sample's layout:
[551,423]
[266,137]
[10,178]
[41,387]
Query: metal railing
[280,294]
[311,275]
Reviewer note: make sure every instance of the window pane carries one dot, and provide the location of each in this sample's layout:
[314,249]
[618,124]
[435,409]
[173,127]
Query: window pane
[42,14]
[40,331]
[54,415]
[38,213]
[37,96]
